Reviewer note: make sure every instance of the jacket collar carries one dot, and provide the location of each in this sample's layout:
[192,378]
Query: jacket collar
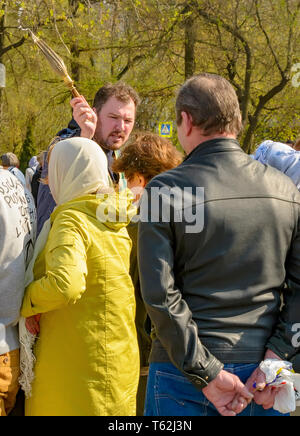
[217,145]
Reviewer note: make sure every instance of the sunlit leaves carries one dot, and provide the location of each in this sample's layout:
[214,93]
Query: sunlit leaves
[143,43]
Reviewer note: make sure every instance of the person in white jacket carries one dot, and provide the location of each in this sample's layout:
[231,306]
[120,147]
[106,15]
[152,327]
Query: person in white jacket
[17,238]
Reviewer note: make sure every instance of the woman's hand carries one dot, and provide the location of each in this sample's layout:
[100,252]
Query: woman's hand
[33,324]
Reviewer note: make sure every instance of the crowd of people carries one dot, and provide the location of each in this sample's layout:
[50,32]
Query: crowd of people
[150,283]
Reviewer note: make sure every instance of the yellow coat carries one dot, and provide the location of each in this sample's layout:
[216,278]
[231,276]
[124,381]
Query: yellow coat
[87,352]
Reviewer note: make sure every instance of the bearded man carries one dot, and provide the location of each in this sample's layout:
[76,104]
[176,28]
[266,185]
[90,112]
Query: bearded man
[109,123]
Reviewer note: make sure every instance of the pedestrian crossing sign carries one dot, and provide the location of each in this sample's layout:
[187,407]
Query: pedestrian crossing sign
[166,130]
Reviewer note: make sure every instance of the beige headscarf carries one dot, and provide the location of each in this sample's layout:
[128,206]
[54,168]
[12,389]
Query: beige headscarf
[77,167]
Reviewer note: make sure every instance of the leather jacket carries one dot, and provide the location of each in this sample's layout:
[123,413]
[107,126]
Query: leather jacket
[214,295]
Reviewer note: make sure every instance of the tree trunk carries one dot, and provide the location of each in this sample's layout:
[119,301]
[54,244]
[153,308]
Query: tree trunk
[189,46]
[113,54]
[4,49]
[254,119]
[248,140]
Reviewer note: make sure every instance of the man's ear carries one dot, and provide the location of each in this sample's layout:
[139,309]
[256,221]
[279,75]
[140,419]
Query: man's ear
[187,122]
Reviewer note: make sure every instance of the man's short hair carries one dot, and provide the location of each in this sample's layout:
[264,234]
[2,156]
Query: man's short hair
[120,90]
[10,160]
[212,103]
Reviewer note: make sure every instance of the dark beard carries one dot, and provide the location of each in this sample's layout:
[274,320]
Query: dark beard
[104,144]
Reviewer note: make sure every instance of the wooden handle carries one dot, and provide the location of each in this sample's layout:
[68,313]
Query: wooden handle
[74,91]
[70,84]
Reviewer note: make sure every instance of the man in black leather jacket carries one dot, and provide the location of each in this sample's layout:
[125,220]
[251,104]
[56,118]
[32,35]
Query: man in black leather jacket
[219,245]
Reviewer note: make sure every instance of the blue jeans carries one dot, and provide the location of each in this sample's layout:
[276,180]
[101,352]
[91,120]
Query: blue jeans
[169,393]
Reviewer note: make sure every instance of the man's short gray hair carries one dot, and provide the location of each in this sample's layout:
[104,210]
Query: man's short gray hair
[10,160]
[212,103]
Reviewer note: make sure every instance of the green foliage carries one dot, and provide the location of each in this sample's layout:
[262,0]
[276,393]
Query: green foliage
[148,44]
[28,149]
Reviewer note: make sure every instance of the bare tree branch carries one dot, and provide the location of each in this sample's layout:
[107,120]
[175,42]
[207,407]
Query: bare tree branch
[12,46]
[217,21]
[268,39]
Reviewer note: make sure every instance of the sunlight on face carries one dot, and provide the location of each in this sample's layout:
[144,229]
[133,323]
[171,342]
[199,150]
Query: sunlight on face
[115,123]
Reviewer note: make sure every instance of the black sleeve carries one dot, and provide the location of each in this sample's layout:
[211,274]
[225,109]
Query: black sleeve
[71,131]
[285,341]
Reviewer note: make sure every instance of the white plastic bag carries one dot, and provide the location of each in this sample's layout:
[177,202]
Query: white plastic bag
[280,374]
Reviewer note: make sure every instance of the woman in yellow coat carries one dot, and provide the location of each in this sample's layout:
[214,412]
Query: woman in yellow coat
[87,358]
